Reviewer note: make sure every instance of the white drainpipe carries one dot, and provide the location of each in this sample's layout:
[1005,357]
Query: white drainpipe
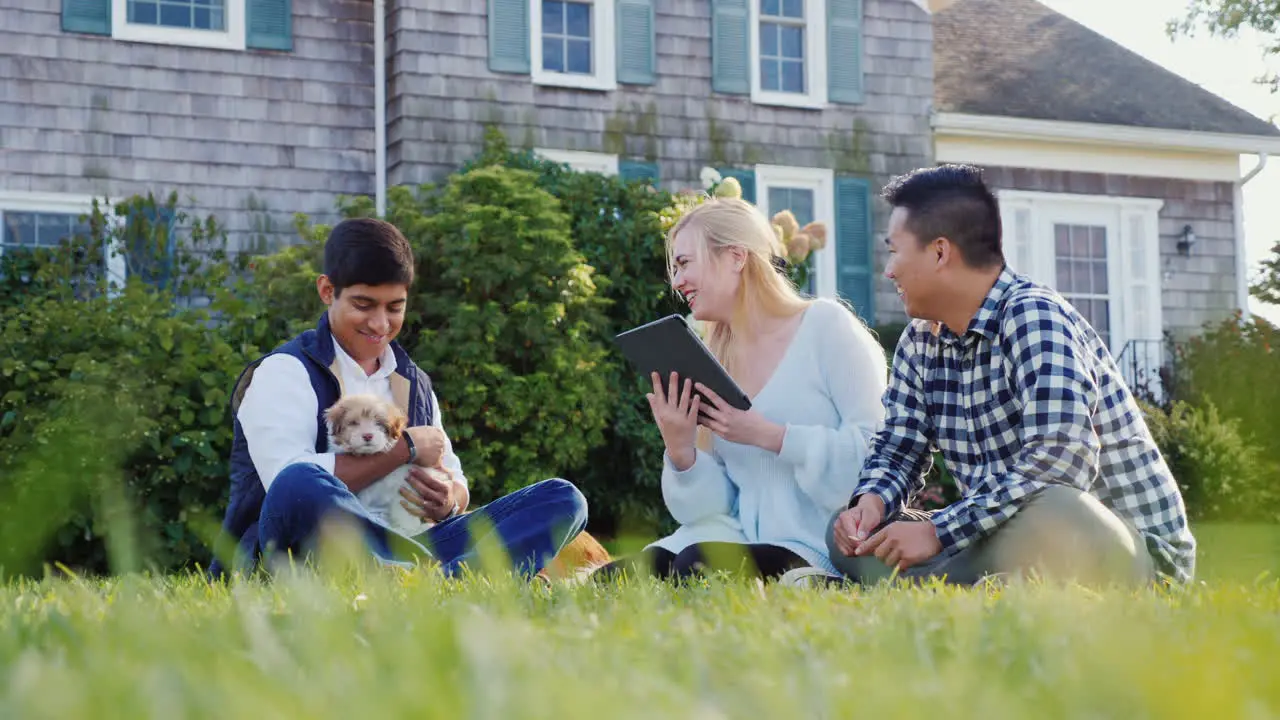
[380,106]
[1242,263]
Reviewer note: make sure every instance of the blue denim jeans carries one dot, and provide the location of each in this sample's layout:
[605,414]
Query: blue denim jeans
[532,524]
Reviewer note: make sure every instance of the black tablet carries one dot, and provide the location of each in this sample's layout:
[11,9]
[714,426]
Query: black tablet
[670,345]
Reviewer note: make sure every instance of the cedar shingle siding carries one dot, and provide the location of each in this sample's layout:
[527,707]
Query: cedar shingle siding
[253,136]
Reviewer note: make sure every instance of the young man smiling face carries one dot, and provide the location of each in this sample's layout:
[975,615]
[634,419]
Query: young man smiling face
[366,316]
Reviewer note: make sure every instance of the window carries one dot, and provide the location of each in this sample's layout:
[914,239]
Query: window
[782,46]
[1080,263]
[573,43]
[581,160]
[202,23]
[789,52]
[35,220]
[1102,255]
[808,193]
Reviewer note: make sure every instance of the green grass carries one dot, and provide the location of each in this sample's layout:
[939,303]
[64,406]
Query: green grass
[391,645]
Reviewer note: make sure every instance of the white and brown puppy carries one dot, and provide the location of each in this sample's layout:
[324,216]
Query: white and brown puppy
[368,425]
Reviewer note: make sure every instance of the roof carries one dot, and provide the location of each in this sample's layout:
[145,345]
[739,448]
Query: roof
[1018,58]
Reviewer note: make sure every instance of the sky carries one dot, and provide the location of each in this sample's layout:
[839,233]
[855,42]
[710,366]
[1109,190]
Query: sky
[1226,67]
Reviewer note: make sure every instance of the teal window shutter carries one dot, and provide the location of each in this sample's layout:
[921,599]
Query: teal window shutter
[269,24]
[855,251]
[630,170]
[745,178]
[730,51]
[636,54]
[844,51]
[87,16]
[509,36]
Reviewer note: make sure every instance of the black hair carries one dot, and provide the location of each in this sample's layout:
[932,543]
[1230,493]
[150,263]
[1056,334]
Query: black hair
[951,201]
[367,251]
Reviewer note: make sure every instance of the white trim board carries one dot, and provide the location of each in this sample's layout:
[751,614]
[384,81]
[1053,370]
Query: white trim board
[1082,157]
[581,160]
[992,126]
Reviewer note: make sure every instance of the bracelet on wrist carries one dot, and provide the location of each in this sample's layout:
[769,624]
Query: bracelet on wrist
[413,449]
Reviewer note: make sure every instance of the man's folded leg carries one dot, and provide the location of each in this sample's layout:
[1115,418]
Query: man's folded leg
[531,525]
[1062,533]
[305,500]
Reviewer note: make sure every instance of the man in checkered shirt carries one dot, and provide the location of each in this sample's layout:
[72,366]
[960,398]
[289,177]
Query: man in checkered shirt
[1060,475]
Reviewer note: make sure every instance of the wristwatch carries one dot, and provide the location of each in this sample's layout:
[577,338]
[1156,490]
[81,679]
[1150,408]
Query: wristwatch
[452,512]
[413,449]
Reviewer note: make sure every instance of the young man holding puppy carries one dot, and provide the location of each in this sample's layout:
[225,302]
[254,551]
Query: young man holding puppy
[1059,472]
[286,481]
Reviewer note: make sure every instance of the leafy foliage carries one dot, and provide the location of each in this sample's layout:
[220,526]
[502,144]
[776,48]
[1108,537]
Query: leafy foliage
[1222,475]
[1226,18]
[1267,286]
[117,397]
[506,314]
[618,228]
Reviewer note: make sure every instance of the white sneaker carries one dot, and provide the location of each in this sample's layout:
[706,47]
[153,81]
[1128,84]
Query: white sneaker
[808,577]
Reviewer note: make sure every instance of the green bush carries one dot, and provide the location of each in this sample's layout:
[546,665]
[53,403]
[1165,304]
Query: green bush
[616,225]
[1222,474]
[119,399]
[504,321]
[1234,365]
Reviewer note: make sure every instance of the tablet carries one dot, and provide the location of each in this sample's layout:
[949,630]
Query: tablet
[670,345]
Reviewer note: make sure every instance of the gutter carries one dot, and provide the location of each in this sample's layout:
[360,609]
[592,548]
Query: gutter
[1242,264]
[380,106]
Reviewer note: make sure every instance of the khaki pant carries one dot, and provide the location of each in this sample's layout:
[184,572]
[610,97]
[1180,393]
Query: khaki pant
[1061,534]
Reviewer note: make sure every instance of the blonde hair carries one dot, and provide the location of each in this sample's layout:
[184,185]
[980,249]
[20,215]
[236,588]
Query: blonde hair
[721,223]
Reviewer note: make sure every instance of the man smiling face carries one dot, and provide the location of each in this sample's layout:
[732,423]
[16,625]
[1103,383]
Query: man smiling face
[364,318]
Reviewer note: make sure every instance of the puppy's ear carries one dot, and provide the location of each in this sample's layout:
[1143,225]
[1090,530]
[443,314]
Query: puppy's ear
[335,414]
[397,421]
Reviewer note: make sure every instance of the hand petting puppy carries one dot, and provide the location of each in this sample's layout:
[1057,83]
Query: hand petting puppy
[430,494]
[429,442]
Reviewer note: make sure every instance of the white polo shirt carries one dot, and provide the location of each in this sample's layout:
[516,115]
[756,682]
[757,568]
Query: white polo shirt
[279,409]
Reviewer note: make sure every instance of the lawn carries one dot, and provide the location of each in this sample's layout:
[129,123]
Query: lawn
[391,645]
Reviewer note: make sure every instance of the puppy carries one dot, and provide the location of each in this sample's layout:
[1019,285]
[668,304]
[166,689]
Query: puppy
[368,425]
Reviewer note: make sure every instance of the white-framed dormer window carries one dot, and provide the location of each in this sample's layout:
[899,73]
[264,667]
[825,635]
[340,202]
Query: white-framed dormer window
[573,43]
[34,220]
[582,160]
[809,194]
[788,40]
[198,23]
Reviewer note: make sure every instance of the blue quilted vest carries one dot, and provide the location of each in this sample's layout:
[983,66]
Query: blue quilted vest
[410,386]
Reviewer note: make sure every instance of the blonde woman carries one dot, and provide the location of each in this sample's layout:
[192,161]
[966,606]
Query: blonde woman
[754,490]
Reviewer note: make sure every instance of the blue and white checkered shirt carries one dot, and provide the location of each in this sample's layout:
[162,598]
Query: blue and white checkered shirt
[1028,397]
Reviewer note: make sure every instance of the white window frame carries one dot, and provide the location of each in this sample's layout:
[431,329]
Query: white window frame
[232,38]
[581,160]
[815,59]
[822,182]
[603,50]
[1133,226]
[14,201]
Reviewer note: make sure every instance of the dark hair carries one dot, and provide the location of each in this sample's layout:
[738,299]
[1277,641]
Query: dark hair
[367,251]
[951,201]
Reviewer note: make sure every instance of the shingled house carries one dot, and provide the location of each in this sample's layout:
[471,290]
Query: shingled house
[1119,180]
[257,109]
